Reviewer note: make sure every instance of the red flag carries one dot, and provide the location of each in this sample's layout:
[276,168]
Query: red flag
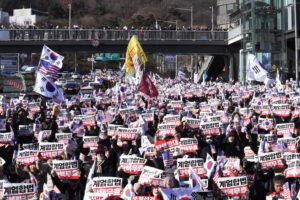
[147,87]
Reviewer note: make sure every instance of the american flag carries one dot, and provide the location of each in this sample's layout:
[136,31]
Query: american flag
[168,158]
[217,175]
[48,69]
[286,191]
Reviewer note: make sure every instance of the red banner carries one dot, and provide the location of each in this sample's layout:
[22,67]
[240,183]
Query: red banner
[270,160]
[66,169]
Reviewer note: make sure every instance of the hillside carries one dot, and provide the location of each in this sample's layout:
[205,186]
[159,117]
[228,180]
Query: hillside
[117,13]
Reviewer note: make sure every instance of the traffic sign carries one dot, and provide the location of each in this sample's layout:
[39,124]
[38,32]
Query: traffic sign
[88,59]
[23,55]
[95,42]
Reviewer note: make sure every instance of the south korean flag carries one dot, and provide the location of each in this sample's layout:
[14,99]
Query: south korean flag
[45,87]
[52,57]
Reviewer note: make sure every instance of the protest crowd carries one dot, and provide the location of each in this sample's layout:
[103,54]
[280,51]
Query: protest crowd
[152,139]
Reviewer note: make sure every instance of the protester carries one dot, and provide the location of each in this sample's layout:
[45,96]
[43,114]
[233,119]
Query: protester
[173,138]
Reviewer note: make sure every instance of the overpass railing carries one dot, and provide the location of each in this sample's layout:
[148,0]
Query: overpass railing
[102,34]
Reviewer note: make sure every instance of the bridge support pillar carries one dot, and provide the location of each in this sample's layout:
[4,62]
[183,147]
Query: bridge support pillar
[226,64]
[231,67]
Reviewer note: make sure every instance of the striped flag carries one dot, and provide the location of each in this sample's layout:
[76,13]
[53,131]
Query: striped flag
[286,191]
[217,176]
[168,158]
[48,69]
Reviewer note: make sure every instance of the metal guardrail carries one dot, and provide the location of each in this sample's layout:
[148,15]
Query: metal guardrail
[237,31]
[101,34]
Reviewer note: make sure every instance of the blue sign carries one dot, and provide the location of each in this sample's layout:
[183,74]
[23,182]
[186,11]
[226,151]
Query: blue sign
[169,58]
[23,55]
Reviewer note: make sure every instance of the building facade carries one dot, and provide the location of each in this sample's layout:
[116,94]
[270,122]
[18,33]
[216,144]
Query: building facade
[224,9]
[264,35]
[25,17]
[4,17]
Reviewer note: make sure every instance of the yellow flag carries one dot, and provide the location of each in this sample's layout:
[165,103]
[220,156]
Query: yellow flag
[135,56]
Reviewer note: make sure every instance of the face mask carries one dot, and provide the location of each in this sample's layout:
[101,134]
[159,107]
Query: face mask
[100,158]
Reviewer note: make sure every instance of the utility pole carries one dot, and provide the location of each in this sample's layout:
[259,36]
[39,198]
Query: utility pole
[191,10]
[70,8]
[296,43]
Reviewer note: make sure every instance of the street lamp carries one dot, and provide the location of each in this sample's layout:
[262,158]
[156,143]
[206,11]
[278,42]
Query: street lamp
[212,18]
[171,22]
[296,42]
[70,7]
[188,9]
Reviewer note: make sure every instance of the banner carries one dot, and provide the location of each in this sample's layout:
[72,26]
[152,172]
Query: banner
[34,107]
[27,157]
[231,165]
[250,156]
[88,120]
[94,196]
[88,111]
[289,157]
[66,169]
[193,123]
[246,112]
[172,120]
[126,111]
[24,191]
[132,164]
[148,117]
[287,144]
[215,118]
[234,187]
[90,141]
[265,110]
[26,130]
[107,185]
[189,145]
[281,110]
[210,128]
[184,164]
[172,145]
[43,135]
[270,160]
[142,198]
[51,149]
[127,133]
[285,129]
[6,138]
[149,152]
[293,169]
[176,104]
[63,137]
[166,130]
[271,138]
[112,129]
[152,177]
[30,146]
